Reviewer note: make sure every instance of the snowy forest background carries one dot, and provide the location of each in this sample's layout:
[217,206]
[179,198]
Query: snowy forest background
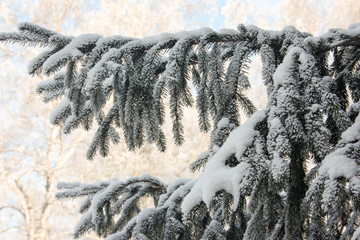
[35,155]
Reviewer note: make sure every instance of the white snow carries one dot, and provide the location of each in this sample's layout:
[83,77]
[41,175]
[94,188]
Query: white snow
[355,107]
[175,184]
[98,70]
[36,60]
[315,107]
[44,83]
[217,176]
[112,65]
[354,30]
[275,122]
[223,123]
[337,165]
[109,39]
[289,28]
[71,51]
[180,192]
[195,33]
[355,185]
[283,70]
[312,40]
[304,57]
[145,214]
[215,148]
[108,82]
[354,26]
[70,121]
[279,168]
[228,31]
[274,34]
[203,155]
[352,134]
[152,40]
[356,235]
[337,36]
[60,107]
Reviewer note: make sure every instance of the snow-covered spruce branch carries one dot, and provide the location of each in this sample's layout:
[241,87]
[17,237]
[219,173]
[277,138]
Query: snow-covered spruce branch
[107,199]
[125,68]
[257,180]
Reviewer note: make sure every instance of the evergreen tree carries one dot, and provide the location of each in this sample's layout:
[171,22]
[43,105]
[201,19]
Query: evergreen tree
[291,171]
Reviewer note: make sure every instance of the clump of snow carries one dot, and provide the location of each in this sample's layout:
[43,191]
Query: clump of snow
[112,65]
[275,122]
[279,168]
[290,28]
[223,123]
[355,107]
[313,41]
[352,134]
[195,33]
[354,26]
[70,121]
[356,234]
[180,192]
[111,39]
[45,83]
[108,82]
[228,31]
[98,70]
[145,214]
[274,34]
[203,155]
[176,183]
[337,165]
[151,40]
[315,107]
[34,62]
[253,28]
[59,108]
[304,57]
[106,58]
[283,71]
[217,176]
[71,51]
[215,148]
[355,186]
[354,31]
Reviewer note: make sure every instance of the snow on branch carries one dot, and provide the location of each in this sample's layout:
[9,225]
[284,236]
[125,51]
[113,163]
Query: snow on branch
[257,180]
[138,73]
[217,176]
[106,199]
